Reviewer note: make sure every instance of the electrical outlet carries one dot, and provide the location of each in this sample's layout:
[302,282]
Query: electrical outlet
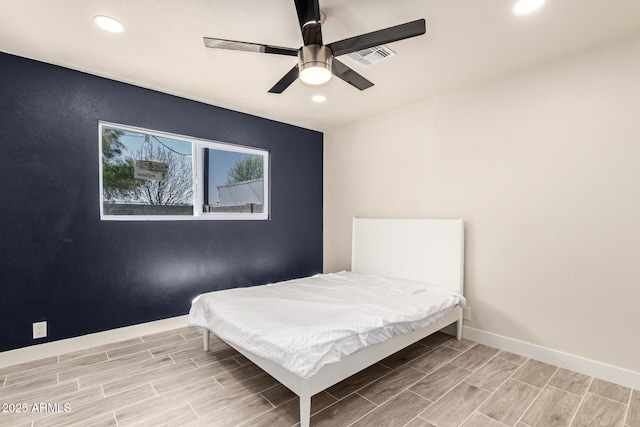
[39,330]
[466,314]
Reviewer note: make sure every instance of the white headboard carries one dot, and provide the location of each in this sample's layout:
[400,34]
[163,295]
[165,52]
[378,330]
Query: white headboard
[430,250]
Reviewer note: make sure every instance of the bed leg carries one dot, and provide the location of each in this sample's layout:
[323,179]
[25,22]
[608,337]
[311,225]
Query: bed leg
[459,326]
[205,339]
[305,408]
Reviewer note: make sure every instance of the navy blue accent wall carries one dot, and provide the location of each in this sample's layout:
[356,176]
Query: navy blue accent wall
[60,263]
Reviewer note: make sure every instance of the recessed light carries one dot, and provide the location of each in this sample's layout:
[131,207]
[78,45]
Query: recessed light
[319,98]
[109,24]
[526,6]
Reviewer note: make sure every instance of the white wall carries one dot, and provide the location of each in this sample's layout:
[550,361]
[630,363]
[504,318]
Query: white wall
[544,166]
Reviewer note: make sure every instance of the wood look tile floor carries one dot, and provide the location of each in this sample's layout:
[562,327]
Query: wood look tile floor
[167,379]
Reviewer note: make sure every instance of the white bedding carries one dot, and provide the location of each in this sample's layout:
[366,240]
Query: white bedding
[304,324]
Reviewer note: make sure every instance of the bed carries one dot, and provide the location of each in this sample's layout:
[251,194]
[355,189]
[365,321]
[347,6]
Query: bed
[405,283]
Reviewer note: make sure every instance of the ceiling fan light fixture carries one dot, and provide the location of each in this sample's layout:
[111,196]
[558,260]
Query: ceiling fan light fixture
[315,75]
[314,64]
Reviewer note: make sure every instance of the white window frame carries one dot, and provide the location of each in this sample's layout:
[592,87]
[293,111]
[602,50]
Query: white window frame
[198,178]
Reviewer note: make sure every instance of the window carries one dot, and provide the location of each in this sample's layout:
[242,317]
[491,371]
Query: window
[147,174]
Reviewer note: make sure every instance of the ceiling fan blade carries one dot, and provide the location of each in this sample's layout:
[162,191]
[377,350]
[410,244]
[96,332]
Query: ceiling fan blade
[248,47]
[348,75]
[286,81]
[308,11]
[309,19]
[376,38]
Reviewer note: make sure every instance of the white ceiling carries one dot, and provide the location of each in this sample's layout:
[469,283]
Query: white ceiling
[467,42]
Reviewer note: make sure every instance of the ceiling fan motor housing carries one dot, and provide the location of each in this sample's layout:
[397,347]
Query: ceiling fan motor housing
[314,64]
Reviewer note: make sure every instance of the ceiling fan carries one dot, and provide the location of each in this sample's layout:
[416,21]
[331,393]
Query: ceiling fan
[317,62]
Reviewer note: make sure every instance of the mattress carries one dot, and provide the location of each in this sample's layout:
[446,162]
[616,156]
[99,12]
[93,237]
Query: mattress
[304,324]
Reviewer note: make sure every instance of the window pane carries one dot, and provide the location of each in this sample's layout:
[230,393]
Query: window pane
[145,174]
[233,181]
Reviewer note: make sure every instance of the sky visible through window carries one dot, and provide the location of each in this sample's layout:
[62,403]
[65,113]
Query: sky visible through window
[133,143]
[220,161]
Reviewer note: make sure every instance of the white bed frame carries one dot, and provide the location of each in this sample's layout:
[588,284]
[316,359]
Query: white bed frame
[418,249]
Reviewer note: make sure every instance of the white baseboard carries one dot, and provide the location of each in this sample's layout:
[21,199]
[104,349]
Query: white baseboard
[54,348]
[572,362]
